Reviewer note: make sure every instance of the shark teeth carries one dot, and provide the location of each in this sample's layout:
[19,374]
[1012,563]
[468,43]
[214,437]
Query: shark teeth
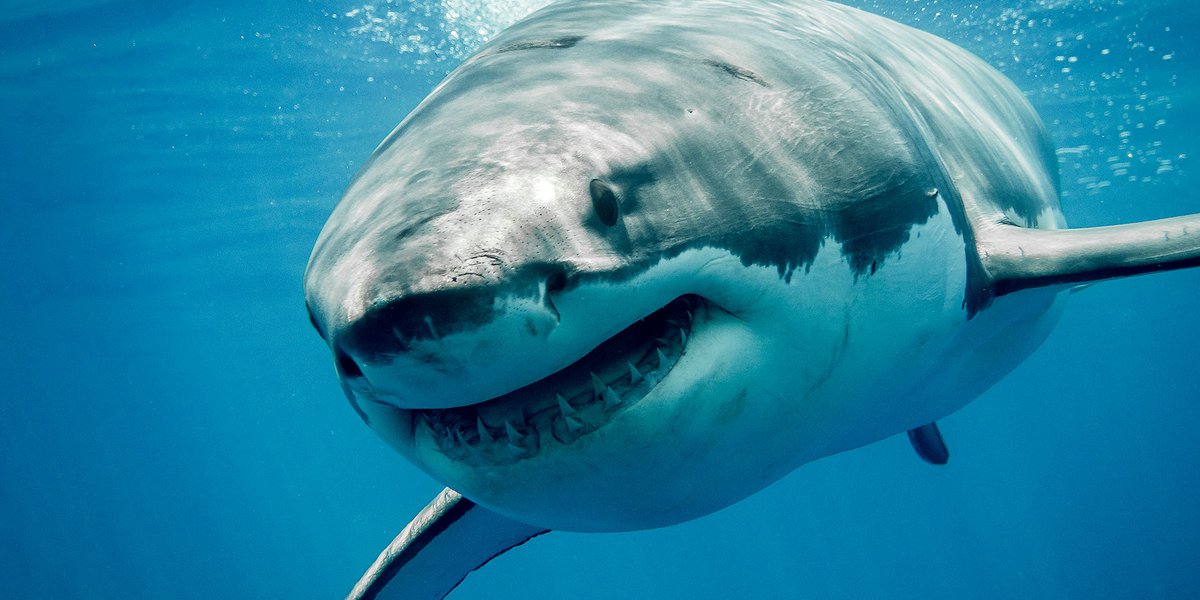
[598,386]
[572,403]
[514,438]
[573,424]
[635,376]
[563,406]
[611,399]
[472,451]
[511,432]
[484,435]
[568,414]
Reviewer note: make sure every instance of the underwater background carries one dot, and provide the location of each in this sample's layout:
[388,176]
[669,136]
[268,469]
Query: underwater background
[171,426]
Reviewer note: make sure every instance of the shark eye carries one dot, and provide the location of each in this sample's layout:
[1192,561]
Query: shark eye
[604,201]
[346,365]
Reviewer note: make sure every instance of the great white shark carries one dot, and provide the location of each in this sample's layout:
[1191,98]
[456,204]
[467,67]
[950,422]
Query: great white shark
[632,262]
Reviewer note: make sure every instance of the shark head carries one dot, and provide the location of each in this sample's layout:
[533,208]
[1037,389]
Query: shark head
[598,285]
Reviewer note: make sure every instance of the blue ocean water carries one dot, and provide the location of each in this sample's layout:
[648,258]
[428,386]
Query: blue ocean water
[171,426]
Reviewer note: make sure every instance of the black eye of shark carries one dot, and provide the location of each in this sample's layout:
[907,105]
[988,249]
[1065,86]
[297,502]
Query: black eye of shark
[604,202]
[573,402]
[346,365]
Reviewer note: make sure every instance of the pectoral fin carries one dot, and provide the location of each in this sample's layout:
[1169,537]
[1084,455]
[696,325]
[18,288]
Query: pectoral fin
[1018,258]
[928,443]
[448,539]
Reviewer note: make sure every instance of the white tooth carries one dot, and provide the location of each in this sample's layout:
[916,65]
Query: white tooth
[472,451]
[515,449]
[611,398]
[662,341]
[432,330]
[563,406]
[396,332]
[662,358]
[598,385]
[573,424]
[513,436]
[690,317]
[484,435]
[682,336]
[634,374]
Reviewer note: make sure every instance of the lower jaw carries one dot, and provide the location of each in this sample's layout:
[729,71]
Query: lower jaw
[560,410]
[682,451]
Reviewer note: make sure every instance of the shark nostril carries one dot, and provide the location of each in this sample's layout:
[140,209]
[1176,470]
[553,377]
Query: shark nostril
[346,365]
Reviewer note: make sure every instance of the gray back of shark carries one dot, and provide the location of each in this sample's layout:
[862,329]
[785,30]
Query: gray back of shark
[621,148]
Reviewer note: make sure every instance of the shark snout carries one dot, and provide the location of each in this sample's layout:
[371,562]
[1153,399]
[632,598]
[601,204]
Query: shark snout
[451,346]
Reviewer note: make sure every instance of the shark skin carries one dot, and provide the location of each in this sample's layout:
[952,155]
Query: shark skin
[634,261]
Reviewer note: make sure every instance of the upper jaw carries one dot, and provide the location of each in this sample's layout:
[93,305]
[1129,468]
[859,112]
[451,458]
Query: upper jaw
[527,337]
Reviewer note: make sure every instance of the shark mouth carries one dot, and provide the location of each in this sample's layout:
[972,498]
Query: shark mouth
[570,403]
